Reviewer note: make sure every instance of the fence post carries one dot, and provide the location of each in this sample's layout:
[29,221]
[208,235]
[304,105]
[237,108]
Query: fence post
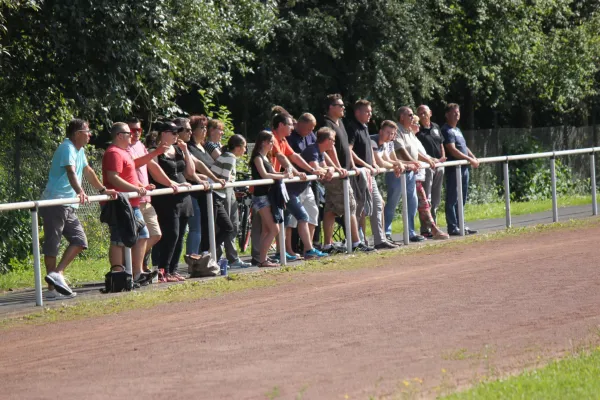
[553,180]
[282,256]
[461,210]
[593,181]
[507,194]
[35,236]
[211,224]
[346,184]
[405,233]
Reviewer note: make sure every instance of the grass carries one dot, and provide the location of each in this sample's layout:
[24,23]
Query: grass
[93,306]
[575,377]
[478,212]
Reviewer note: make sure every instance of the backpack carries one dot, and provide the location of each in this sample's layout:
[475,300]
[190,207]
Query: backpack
[118,281]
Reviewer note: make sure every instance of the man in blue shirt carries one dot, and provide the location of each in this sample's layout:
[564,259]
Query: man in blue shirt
[69,165]
[456,149]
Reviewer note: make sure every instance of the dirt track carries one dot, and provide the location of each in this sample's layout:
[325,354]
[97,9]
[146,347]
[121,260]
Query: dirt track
[480,310]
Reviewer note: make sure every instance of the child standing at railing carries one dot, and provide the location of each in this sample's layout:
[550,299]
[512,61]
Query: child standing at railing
[261,168]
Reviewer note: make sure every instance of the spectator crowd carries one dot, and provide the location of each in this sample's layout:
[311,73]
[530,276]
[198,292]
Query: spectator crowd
[186,152]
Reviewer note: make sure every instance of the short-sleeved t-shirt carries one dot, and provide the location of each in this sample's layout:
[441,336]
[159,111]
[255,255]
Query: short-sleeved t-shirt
[341,142]
[119,160]
[283,147]
[309,154]
[212,146]
[138,150]
[454,135]
[383,149]
[432,140]
[299,143]
[58,186]
[406,140]
[359,138]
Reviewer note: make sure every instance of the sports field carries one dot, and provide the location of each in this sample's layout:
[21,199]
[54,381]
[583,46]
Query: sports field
[418,325]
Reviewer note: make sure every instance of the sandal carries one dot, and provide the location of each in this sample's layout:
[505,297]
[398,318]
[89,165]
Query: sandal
[171,278]
[268,264]
[439,235]
[179,277]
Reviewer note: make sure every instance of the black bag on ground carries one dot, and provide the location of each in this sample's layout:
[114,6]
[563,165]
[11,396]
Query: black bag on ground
[118,281]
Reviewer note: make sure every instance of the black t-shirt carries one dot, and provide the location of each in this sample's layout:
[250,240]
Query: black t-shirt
[309,154]
[341,142]
[432,140]
[358,137]
[264,189]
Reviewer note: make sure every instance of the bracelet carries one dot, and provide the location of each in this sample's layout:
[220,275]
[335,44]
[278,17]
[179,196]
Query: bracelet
[102,190]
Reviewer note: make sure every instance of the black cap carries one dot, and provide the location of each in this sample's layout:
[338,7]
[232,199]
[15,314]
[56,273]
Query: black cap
[168,126]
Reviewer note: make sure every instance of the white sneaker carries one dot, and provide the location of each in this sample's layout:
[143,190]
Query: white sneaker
[53,295]
[58,281]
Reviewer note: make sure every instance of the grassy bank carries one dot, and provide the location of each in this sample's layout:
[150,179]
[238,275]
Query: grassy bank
[575,377]
[82,271]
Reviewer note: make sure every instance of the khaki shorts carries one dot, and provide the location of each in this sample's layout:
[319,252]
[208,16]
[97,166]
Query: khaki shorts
[334,197]
[150,219]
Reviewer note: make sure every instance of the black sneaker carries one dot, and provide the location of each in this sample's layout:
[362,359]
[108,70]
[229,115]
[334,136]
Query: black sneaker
[144,279]
[469,231]
[427,235]
[334,249]
[392,241]
[385,246]
[454,233]
[417,238]
[362,248]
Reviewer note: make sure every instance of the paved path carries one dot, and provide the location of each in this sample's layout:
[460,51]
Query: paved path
[22,301]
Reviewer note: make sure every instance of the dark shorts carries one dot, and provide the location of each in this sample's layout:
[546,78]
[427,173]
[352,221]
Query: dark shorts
[61,221]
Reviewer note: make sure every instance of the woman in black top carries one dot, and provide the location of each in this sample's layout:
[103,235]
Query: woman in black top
[173,210]
[261,168]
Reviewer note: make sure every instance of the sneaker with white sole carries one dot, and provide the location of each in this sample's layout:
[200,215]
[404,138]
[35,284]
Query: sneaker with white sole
[53,295]
[240,264]
[58,281]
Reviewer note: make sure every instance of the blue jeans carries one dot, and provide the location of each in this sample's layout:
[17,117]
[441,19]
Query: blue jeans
[192,245]
[452,195]
[394,193]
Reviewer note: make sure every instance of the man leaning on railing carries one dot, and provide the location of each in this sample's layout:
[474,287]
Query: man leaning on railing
[69,165]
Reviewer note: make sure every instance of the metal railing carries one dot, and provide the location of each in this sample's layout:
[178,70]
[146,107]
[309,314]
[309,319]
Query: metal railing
[33,206]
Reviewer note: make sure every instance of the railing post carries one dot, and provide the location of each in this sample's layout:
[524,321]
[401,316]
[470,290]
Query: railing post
[128,263]
[211,224]
[405,232]
[461,215]
[347,224]
[553,180]
[282,256]
[593,182]
[37,271]
[507,194]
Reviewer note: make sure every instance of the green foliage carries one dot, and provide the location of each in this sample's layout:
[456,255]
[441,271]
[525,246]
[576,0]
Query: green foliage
[531,179]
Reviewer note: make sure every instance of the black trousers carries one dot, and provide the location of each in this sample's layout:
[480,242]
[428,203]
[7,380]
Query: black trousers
[170,245]
[202,203]
[223,225]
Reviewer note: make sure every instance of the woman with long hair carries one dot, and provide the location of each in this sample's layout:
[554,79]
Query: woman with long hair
[261,168]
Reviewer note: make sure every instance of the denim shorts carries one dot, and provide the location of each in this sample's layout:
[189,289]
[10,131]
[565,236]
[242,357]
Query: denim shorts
[115,238]
[295,208]
[260,202]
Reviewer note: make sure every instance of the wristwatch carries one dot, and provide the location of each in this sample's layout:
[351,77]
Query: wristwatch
[101,191]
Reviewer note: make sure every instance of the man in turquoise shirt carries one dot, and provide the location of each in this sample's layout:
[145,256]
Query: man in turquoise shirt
[69,165]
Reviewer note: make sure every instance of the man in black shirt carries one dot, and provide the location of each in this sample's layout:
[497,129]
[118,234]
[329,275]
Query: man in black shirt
[359,142]
[431,137]
[341,158]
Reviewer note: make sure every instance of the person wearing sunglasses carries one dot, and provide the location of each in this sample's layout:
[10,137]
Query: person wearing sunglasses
[68,167]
